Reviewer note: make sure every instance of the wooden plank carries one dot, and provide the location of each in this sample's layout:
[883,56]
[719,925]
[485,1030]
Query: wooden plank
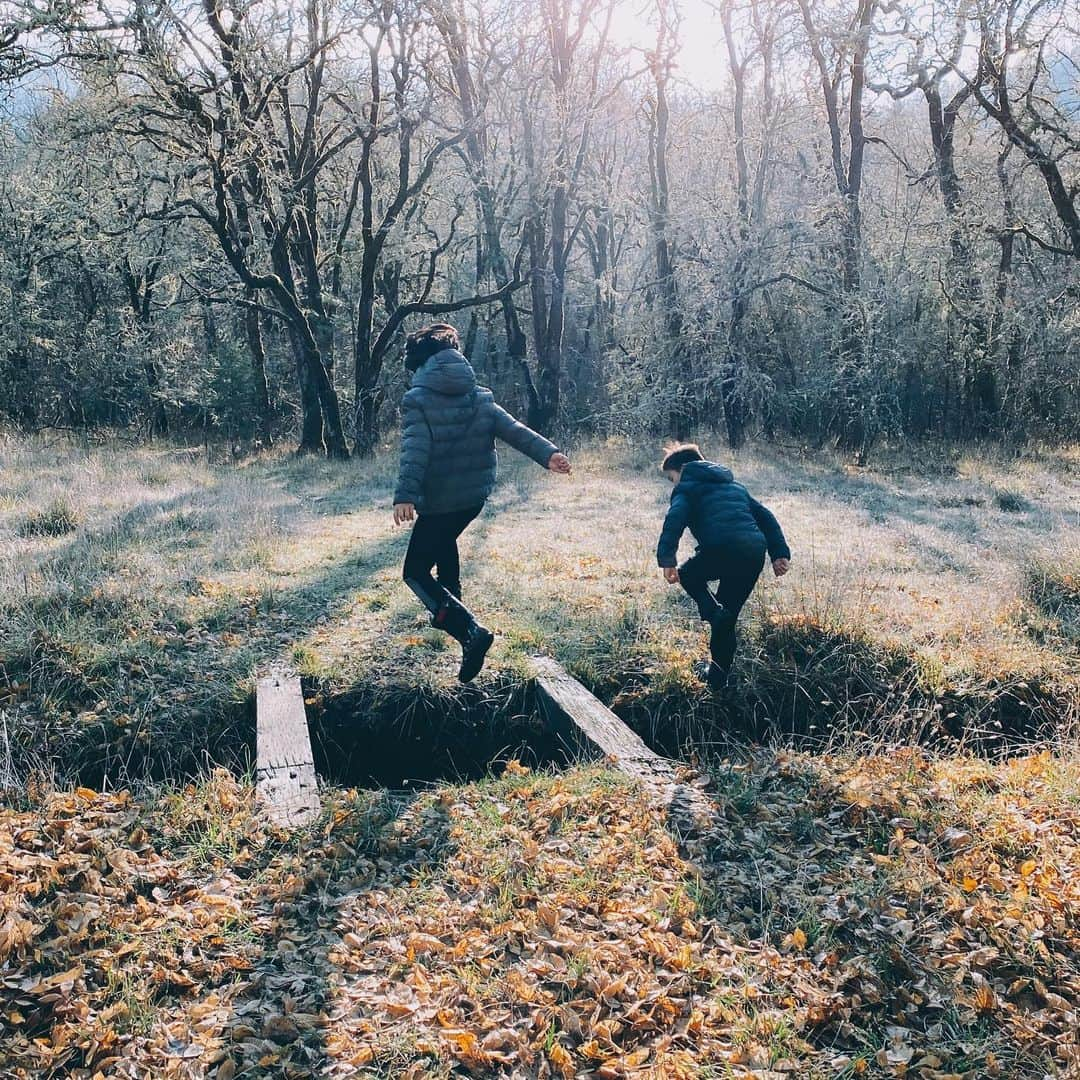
[595,731]
[285,778]
[593,728]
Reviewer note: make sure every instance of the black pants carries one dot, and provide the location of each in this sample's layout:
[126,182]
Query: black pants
[735,569]
[434,544]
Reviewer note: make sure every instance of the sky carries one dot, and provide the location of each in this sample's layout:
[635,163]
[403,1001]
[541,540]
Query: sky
[701,55]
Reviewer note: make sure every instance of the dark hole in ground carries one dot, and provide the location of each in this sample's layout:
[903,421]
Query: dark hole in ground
[815,687]
[367,737]
[795,684]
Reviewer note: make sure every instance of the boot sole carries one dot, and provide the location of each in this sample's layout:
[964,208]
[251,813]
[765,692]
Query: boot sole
[473,660]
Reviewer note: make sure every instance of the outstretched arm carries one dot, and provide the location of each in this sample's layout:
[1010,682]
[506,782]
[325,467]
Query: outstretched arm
[415,452]
[678,517]
[774,535]
[524,439]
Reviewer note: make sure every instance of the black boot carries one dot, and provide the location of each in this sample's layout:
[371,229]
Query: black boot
[456,619]
[712,674]
[474,651]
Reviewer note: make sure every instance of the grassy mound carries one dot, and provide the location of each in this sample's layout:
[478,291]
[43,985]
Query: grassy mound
[129,647]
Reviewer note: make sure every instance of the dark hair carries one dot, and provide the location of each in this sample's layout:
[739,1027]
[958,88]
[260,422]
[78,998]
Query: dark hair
[675,457]
[423,344]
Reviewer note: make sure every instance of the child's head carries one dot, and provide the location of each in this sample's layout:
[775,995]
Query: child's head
[423,344]
[678,456]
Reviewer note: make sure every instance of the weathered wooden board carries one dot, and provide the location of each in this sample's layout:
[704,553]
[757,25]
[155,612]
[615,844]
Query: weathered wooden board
[285,772]
[595,731]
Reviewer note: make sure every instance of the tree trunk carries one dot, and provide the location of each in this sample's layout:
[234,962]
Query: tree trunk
[967,321]
[367,369]
[550,359]
[311,418]
[683,413]
[849,423]
[261,405]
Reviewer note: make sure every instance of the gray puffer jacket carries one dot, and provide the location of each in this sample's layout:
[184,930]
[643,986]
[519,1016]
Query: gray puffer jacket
[448,430]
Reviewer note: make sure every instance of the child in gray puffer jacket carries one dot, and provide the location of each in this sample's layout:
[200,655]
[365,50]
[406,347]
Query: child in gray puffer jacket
[449,425]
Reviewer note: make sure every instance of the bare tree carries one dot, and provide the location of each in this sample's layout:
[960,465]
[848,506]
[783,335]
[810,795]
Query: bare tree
[1016,38]
[574,70]
[661,60]
[840,60]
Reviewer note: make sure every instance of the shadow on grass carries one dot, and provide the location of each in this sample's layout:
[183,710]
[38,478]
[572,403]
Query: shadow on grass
[118,688]
[289,998]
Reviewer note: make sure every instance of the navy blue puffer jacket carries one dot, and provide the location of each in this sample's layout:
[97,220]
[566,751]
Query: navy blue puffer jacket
[448,430]
[718,512]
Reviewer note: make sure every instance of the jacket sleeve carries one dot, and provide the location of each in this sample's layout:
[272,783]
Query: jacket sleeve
[675,523]
[415,451]
[774,535]
[522,438]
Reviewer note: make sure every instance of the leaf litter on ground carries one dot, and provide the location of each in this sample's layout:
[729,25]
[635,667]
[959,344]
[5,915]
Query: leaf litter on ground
[897,915]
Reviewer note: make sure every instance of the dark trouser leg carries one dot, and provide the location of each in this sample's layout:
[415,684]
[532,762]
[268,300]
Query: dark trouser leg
[434,542]
[448,569]
[694,576]
[739,572]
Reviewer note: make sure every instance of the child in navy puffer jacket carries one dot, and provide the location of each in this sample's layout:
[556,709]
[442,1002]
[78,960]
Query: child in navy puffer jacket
[733,532]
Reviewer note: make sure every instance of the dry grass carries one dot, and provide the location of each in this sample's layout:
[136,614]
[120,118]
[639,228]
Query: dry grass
[871,912]
[133,638]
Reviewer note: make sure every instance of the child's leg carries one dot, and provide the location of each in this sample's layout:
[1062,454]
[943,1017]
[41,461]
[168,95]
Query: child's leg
[694,576]
[427,540]
[742,567]
[448,561]
[434,541]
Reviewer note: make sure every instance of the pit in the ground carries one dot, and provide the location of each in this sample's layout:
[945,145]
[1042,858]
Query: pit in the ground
[408,741]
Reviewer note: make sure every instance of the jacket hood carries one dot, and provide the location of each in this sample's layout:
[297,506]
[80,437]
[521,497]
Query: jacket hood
[706,472]
[447,372]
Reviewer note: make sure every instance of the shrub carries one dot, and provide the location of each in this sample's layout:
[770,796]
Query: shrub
[57,519]
[1010,502]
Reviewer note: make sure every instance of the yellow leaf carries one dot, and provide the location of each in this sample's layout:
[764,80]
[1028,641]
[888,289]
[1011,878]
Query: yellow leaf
[1028,868]
[53,981]
[548,914]
[561,1059]
[591,1049]
[985,999]
[970,884]
[798,938]
[89,794]
[362,1056]
[424,943]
